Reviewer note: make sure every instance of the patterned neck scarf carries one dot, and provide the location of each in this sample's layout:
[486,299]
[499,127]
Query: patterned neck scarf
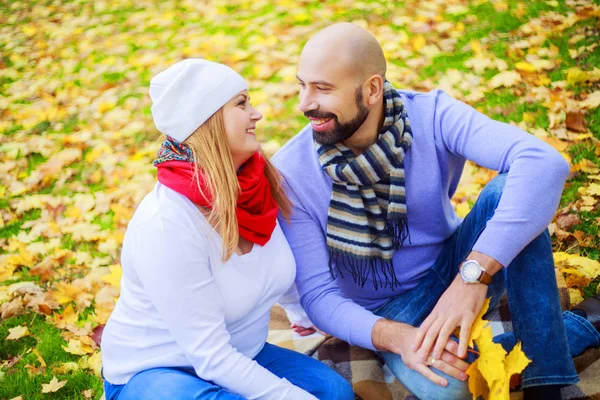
[256,209]
[367,212]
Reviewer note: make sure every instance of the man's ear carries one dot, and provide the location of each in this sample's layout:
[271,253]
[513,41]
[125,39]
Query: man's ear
[374,89]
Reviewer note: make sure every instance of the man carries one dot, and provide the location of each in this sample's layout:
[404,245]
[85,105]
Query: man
[371,180]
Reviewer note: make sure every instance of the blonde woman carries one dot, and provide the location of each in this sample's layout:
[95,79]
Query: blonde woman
[204,258]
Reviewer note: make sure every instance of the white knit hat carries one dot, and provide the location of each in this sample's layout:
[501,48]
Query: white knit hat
[187,93]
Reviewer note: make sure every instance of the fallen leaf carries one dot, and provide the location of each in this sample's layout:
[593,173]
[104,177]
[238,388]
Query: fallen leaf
[17,333]
[591,102]
[506,79]
[575,296]
[567,221]
[53,386]
[575,121]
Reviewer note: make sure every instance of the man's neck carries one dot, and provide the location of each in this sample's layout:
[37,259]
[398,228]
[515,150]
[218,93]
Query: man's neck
[368,132]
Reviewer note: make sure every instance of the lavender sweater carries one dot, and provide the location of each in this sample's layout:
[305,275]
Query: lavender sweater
[446,133]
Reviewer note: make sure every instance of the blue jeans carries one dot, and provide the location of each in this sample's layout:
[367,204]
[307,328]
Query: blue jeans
[549,339]
[183,383]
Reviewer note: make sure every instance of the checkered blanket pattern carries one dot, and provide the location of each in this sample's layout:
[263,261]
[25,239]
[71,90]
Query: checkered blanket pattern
[371,380]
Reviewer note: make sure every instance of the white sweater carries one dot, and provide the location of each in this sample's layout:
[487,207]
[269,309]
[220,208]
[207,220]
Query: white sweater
[181,306]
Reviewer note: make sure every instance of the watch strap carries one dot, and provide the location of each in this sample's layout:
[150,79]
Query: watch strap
[485,278]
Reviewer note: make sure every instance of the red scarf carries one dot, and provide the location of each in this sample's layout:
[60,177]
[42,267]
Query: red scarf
[256,210]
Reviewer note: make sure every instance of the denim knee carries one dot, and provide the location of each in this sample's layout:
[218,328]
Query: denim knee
[332,386]
[422,387]
[493,190]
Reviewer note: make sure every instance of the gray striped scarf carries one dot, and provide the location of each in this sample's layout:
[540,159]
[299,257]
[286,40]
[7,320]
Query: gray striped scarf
[367,212]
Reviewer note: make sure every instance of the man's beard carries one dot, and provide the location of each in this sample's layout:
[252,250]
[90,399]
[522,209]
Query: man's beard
[340,132]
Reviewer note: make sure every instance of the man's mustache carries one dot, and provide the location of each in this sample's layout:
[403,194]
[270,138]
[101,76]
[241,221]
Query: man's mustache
[318,114]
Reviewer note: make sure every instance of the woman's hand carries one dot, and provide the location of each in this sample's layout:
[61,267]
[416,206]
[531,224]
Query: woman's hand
[302,331]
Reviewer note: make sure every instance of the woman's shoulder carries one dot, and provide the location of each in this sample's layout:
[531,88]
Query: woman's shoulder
[165,207]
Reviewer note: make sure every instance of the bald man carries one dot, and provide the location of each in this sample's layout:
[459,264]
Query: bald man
[383,261]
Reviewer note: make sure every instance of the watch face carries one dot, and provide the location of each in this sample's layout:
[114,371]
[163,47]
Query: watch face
[471,272]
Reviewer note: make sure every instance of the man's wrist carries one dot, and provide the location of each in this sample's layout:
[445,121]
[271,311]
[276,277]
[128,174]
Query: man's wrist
[489,264]
[388,335]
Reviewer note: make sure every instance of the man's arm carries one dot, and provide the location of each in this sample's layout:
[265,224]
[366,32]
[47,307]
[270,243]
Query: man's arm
[332,312]
[320,295]
[536,175]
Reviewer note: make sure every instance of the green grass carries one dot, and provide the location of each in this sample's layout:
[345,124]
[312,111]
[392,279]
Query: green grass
[46,339]
[495,30]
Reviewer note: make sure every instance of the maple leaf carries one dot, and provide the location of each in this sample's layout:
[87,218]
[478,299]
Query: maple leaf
[114,277]
[516,361]
[506,79]
[477,383]
[67,317]
[39,357]
[491,356]
[17,333]
[53,386]
[75,347]
[479,324]
[592,101]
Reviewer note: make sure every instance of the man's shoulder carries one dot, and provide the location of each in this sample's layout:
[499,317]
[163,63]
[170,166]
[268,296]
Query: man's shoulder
[295,153]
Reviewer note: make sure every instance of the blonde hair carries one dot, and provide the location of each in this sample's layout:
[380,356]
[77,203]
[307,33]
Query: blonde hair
[211,153]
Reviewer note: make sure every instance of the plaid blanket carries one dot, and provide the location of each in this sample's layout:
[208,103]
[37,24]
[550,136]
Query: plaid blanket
[371,380]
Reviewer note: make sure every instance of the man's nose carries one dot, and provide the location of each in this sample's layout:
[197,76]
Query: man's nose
[307,103]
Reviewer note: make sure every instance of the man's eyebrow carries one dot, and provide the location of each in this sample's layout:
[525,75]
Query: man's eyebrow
[324,83]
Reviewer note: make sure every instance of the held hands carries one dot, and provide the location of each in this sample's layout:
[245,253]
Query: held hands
[396,337]
[459,306]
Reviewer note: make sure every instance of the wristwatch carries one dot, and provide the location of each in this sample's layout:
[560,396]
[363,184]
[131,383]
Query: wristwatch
[472,272]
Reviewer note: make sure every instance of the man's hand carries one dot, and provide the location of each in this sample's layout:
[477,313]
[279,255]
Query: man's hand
[395,337]
[459,306]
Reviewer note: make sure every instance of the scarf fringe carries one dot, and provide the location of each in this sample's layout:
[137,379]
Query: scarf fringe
[361,268]
[397,230]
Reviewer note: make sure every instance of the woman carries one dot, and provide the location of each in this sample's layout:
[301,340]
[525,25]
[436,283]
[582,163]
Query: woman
[204,259]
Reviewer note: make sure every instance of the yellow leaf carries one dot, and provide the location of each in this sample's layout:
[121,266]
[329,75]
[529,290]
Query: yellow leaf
[66,368]
[586,265]
[593,189]
[106,106]
[516,361]
[506,79]
[575,296]
[39,357]
[53,386]
[74,347]
[418,42]
[525,66]
[592,101]
[491,358]
[479,323]
[576,75]
[93,363]
[476,46]
[500,390]
[114,277]
[68,317]
[462,209]
[17,333]
[477,383]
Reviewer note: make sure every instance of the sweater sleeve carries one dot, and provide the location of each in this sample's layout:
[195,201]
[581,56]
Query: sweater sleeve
[320,295]
[536,174]
[173,265]
[290,302]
